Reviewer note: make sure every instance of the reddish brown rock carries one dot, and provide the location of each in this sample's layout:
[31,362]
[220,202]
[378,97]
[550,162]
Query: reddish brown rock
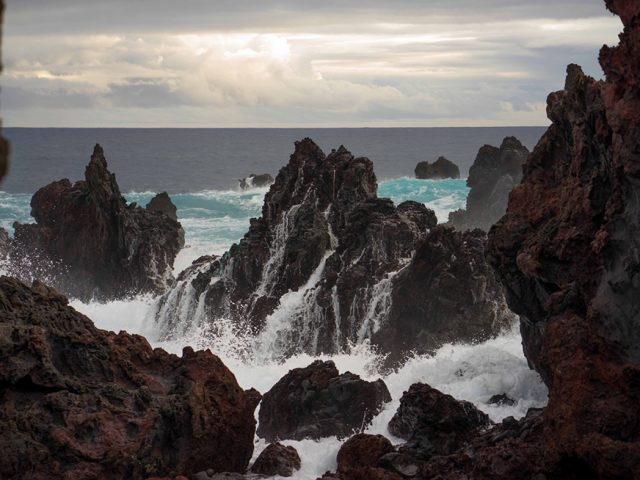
[362,450]
[90,244]
[78,402]
[316,402]
[277,459]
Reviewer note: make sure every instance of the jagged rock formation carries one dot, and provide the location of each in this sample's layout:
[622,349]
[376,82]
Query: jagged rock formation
[434,423]
[255,181]
[162,203]
[78,402]
[492,176]
[316,402]
[440,169]
[329,264]
[277,459]
[89,243]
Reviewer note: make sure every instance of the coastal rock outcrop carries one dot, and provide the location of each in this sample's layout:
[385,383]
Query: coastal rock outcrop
[434,423]
[89,243]
[329,265]
[255,181]
[359,456]
[440,169]
[316,402]
[277,459]
[492,176]
[79,402]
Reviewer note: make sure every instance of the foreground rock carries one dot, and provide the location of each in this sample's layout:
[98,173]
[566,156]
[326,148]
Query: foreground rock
[317,402]
[329,265]
[277,459]
[491,178]
[78,402]
[434,423]
[359,456]
[440,169]
[90,244]
[255,181]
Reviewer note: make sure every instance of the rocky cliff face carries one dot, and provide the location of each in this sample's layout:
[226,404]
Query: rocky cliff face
[329,264]
[78,402]
[492,176]
[89,243]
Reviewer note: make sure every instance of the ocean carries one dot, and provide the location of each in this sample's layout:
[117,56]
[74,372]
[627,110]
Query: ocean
[200,169]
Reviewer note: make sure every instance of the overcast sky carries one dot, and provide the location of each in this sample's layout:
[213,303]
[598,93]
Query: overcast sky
[260,63]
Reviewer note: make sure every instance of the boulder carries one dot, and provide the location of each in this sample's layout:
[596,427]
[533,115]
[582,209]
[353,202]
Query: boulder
[277,459]
[434,423]
[440,169]
[492,176]
[162,203]
[255,181]
[90,244]
[79,402]
[317,402]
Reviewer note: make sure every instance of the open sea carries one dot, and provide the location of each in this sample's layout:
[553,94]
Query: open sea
[200,169]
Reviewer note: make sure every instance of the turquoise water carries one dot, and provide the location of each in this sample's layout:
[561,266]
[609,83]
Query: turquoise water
[215,219]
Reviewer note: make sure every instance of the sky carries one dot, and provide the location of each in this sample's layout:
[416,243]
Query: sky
[293,63]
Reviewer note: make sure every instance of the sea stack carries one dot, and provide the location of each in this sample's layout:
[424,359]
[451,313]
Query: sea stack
[438,170]
[89,243]
[492,176]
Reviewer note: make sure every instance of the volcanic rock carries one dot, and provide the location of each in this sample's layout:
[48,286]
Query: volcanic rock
[91,244]
[317,402]
[79,402]
[491,178]
[440,169]
[162,203]
[5,244]
[358,457]
[434,423]
[255,181]
[277,459]
[328,263]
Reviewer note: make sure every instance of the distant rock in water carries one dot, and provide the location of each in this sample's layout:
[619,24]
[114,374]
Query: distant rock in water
[316,402]
[163,204]
[491,178]
[329,265]
[90,244]
[79,402]
[440,169]
[255,181]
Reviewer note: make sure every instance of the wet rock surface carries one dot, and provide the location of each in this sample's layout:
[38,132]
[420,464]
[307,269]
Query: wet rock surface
[434,423]
[78,402]
[492,176]
[330,264]
[317,402]
[277,459]
[255,181]
[89,243]
[440,169]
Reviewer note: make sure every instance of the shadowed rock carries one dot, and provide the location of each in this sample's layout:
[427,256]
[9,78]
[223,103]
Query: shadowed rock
[78,402]
[316,402]
[90,244]
[277,459]
[440,169]
[255,181]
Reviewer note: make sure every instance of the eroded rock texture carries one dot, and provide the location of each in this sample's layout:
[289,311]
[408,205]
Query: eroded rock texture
[441,168]
[316,402]
[492,176]
[277,459]
[90,244]
[78,402]
[329,264]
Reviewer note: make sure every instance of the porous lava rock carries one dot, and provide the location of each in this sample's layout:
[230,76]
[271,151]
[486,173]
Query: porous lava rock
[89,243]
[492,176]
[162,203]
[333,265]
[434,423]
[316,402]
[277,459]
[440,169]
[358,457]
[79,402]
